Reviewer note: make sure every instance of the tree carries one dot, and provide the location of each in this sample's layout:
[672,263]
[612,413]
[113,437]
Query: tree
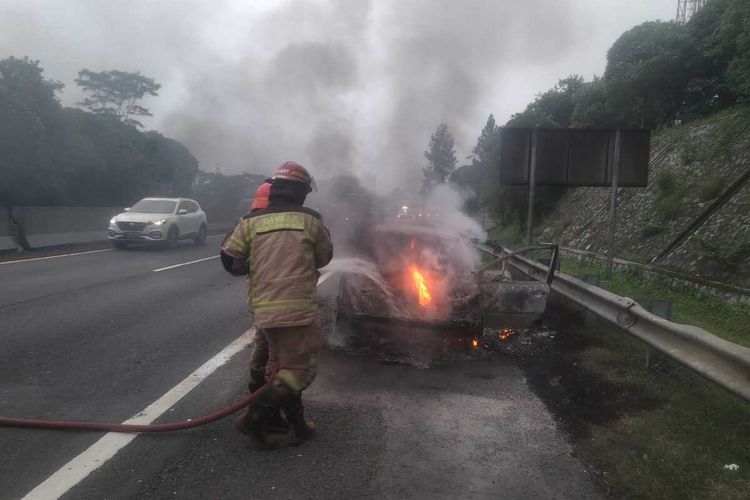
[592,108]
[55,156]
[226,197]
[647,74]
[707,89]
[481,177]
[116,93]
[28,111]
[29,121]
[441,158]
[551,109]
[487,149]
[732,43]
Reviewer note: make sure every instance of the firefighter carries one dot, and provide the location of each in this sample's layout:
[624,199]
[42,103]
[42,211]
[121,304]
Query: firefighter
[282,247]
[259,355]
[259,365]
[260,199]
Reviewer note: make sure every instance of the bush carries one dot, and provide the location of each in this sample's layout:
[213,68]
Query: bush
[727,254]
[669,191]
[651,230]
[709,188]
[666,182]
[670,207]
[689,153]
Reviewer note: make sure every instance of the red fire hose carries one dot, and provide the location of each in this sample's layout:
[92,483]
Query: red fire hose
[102,426]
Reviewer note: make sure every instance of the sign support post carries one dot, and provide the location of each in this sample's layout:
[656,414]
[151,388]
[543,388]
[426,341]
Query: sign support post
[532,188]
[613,205]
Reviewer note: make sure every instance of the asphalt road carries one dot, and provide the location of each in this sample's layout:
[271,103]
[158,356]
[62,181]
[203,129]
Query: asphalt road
[101,336]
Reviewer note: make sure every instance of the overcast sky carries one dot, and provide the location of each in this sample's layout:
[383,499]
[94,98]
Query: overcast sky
[339,85]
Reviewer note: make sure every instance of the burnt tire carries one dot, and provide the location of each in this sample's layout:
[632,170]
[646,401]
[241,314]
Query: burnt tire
[200,239]
[173,236]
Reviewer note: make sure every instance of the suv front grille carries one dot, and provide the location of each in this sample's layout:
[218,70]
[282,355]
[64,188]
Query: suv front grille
[131,226]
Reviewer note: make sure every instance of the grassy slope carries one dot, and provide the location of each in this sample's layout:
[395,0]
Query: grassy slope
[683,430]
[507,235]
[679,449]
[728,321]
[676,449]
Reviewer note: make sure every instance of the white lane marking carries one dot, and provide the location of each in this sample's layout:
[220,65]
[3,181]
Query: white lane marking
[105,448]
[53,256]
[185,263]
[215,236]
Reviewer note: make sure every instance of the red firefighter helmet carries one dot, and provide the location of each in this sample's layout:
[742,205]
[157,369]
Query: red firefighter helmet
[260,200]
[293,171]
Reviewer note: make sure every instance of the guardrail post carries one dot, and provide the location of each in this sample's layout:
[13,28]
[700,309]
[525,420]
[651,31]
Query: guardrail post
[590,320]
[663,309]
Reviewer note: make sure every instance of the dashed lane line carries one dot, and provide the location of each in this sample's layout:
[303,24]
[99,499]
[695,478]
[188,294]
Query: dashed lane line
[106,447]
[185,264]
[53,256]
[18,261]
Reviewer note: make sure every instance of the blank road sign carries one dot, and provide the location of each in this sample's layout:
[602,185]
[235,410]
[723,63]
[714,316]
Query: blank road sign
[634,156]
[515,153]
[552,156]
[574,157]
[588,158]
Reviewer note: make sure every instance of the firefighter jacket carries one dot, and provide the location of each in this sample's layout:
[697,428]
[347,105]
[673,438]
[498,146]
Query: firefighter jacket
[283,246]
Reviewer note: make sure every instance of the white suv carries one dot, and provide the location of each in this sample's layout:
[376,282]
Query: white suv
[159,220]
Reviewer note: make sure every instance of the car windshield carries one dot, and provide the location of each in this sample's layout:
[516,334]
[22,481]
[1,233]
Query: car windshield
[154,207]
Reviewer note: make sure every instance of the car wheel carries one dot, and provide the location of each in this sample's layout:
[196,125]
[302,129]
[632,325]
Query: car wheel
[120,245]
[201,238]
[172,236]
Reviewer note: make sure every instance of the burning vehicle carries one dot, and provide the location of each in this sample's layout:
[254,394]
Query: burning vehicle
[424,288]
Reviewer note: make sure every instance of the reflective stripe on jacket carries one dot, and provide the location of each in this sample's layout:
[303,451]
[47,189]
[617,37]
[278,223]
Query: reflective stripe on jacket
[284,246]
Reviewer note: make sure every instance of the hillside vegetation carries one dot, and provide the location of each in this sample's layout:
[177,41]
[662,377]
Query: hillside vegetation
[53,155]
[688,83]
[692,168]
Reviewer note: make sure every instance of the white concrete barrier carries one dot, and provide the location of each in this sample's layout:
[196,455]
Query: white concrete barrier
[50,226]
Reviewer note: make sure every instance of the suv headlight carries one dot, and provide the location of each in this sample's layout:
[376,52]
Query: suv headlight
[160,222]
[112,221]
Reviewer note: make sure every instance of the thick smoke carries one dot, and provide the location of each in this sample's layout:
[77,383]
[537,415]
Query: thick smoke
[343,86]
[354,87]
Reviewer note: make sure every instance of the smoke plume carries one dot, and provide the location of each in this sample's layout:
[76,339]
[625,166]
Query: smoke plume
[342,86]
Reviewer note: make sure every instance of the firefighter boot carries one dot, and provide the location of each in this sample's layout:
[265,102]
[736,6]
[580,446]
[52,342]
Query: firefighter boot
[299,429]
[254,422]
[276,423]
[257,380]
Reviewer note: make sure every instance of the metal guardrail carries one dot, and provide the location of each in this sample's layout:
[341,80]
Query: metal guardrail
[720,361]
[651,268]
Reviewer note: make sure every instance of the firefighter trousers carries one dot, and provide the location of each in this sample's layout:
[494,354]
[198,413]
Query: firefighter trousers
[293,355]
[259,358]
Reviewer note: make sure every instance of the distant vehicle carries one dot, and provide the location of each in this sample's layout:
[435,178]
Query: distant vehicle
[159,220]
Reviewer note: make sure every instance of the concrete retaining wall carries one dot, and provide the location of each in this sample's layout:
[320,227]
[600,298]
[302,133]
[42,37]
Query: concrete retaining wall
[49,226]
[6,241]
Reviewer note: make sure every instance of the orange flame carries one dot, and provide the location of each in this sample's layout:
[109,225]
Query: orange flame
[425,298]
